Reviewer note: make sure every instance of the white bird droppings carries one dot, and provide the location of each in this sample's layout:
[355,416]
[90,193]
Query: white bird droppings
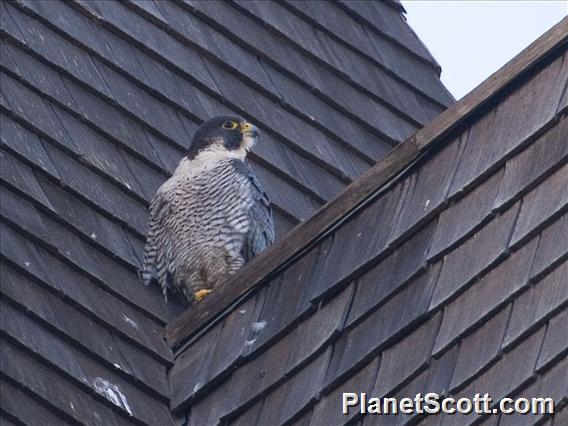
[258,326]
[111,392]
[94,236]
[129,321]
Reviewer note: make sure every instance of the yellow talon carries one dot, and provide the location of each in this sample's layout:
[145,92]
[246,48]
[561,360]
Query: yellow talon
[198,295]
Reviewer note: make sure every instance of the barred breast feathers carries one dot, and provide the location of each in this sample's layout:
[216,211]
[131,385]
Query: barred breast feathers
[208,191]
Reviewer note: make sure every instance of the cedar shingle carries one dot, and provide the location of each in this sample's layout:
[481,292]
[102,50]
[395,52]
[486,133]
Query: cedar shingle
[336,58]
[315,331]
[328,410]
[435,379]
[563,102]
[486,295]
[47,385]
[248,382]
[249,417]
[358,241]
[25,216]
[21,177]
[21,252]
[555,340]
[14,399]
[387,22]
[384,323]
[480,347]
[111,275]
[13,134]
[189,372]
[231,342]
[387,277]
[433,179]
[510,123]
[537,302]
[552,245]
[534,162]
[98,190]
[64,280]
[440,372]
[475,255]
[80,367]
[276,313]
[64,54]
[465,215]
[552,384]
[36,73]
[237,92]
[333,20]
[538,205]
[91,336]
[92,224]
[23,102]
[503,378]
[406,357]
[289,399]
[91,107]
[303,420]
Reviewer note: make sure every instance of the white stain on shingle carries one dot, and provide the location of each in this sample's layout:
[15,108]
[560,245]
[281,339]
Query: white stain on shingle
[111,392]
[129,321]
[258,326]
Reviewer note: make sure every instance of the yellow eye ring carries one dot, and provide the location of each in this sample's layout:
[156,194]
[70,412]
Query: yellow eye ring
[231,125]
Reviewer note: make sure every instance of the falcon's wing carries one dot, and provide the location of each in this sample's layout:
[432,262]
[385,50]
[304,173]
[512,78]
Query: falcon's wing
[261,230]
[158,257]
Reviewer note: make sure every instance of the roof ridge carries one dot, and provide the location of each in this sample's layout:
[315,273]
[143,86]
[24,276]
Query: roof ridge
[361,191]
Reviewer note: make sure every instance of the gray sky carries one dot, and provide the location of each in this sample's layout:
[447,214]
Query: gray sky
[473,39]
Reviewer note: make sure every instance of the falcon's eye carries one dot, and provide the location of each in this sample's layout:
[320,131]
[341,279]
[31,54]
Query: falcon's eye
[231,125]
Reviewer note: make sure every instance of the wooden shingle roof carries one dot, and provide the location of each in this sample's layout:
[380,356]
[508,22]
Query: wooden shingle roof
[99,100]
[443,269]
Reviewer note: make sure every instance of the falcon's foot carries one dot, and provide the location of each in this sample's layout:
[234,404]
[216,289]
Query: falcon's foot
[198,295]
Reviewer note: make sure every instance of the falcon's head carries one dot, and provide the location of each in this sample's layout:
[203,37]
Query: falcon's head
[230,136]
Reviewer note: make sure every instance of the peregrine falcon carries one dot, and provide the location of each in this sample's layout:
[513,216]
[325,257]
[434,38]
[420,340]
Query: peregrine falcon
[211,216]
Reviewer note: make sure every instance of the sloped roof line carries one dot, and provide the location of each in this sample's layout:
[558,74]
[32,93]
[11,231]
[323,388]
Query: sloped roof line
[389,69]
[195,320]
[425,56]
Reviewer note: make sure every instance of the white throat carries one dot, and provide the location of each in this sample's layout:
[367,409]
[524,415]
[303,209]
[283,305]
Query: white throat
[207,160]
